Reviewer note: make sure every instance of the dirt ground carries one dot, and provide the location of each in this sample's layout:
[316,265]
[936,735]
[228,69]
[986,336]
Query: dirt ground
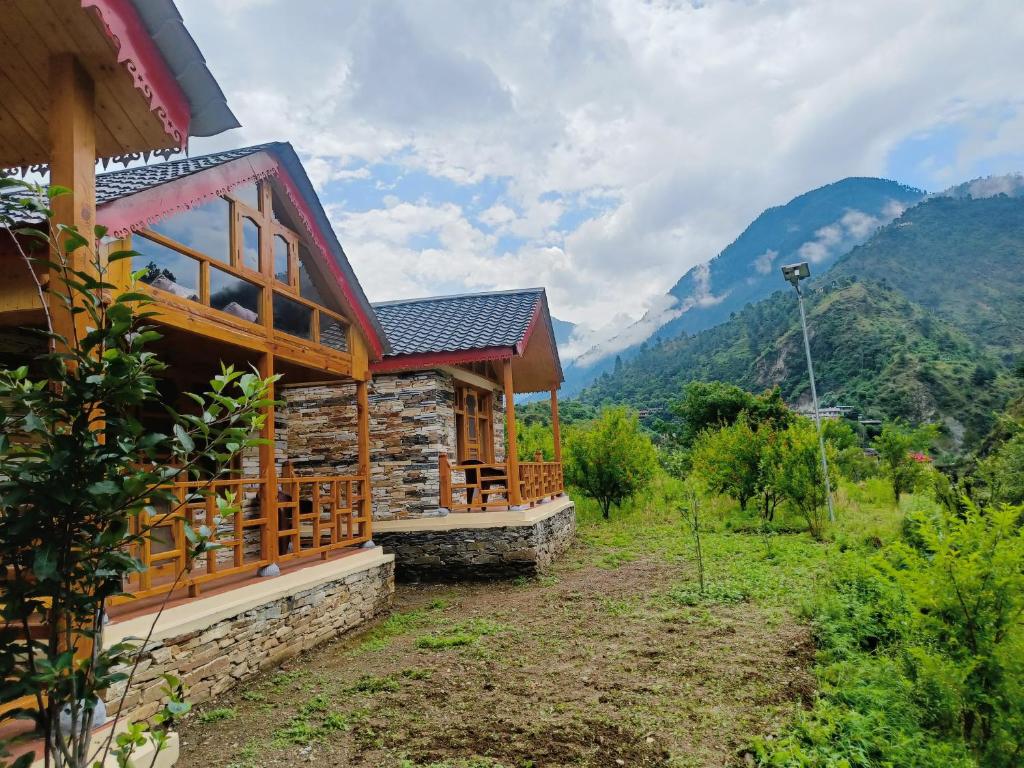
[589,666]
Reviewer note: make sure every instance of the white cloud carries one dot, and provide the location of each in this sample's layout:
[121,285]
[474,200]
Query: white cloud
[763,263]
[853,227]
[686,119]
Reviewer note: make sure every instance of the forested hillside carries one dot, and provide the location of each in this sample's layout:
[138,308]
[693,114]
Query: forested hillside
[961,258]
[924,321]
[873,349]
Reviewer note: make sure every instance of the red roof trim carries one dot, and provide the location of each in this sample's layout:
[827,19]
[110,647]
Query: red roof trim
[135,212]
[144,62]
[299,201]
[434,359]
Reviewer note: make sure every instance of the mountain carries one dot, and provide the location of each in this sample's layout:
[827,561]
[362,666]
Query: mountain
[961,258]
[818,226]
[923,321]
[563,330]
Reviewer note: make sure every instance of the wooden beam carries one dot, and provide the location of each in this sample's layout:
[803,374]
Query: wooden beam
[556,427]
[268,468]
[473,379]
[72,165]
[515,498]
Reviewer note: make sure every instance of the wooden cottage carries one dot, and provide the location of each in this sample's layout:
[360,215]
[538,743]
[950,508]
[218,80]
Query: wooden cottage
[244,268]
[444,451]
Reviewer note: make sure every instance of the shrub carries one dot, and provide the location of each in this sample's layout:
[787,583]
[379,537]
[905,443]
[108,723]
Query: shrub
[78,470]
[728,460]
[967,587]
[792,465]
[610,459]
[897,446]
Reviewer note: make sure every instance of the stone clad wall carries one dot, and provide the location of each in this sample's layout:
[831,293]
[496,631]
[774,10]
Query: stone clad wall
[412,421]
[500,551]
[217,657]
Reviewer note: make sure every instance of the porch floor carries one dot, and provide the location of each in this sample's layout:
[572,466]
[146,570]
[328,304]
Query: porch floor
[496,519]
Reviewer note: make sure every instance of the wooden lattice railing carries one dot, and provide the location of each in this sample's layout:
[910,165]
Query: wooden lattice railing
[306,516]
[483,487]
[321,513]
[540,479]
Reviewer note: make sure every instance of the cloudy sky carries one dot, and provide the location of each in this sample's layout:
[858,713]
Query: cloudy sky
[603,148]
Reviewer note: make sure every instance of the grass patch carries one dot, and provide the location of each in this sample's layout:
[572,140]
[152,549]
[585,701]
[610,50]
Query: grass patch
[417,674]
[299,732]
[398,624]
[375,684]
[690,594]
[465,633]
[215,715]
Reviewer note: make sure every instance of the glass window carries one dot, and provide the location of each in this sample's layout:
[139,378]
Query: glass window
[167,269]
[250,244]
[281,270]
[292,317]
[235,296]
[307,288]
[248,194]
[333,334]
[203,228]
[278,210]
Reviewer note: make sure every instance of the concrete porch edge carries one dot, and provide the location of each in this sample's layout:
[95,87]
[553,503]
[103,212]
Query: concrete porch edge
[202,612]
[456,520]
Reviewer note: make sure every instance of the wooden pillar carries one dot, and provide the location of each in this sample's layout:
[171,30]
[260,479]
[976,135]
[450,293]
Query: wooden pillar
[515,498]
[72,165]
[556,432]
[268,467]
[363,409]
[556,426]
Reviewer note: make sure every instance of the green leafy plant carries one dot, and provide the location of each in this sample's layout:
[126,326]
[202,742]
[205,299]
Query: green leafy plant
[728,459]
[77,471]
[967,587]
[898,447]
[792,465]
[610,459]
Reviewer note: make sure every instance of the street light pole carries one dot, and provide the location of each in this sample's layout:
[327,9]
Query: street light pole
[794,273]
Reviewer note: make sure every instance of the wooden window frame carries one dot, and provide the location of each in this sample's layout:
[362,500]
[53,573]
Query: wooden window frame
[484,419]
[263,278]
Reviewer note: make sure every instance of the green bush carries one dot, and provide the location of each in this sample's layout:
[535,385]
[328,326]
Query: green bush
[610,459]
[792,466]
[922,650]
[861,608]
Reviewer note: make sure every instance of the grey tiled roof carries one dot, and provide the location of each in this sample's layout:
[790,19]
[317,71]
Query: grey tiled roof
[114,185]
[117,184]
[455,323]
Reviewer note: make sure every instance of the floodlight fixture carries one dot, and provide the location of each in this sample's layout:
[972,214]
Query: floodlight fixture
[794,273]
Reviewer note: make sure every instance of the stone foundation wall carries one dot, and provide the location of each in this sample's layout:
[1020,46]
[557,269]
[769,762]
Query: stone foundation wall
[503,551]
[412,422]
[216,658]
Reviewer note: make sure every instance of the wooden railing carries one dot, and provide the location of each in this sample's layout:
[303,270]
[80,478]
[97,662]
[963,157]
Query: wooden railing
[322,513]
[306,516]
[540,479]
[473,487]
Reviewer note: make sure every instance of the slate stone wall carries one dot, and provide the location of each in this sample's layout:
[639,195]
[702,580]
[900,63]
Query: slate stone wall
[480,553]
[412,421]
[234,649]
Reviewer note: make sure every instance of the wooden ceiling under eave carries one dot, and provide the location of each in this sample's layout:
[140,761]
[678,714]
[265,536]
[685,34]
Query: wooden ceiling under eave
[31,33]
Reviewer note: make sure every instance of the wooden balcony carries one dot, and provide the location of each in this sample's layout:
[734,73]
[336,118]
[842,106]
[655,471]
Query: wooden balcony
[308,516]
[484,487]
